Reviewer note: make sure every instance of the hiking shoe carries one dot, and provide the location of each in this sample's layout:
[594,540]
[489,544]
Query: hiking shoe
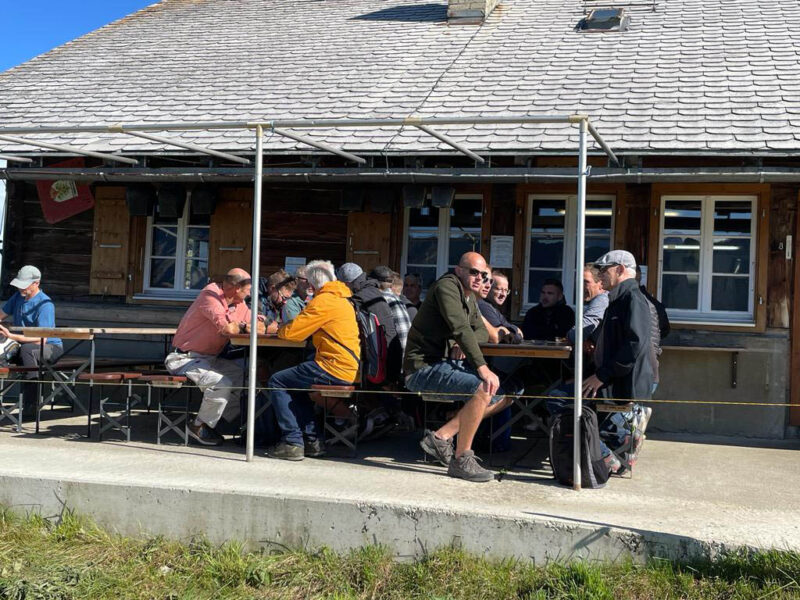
[466,467]
[313,449]
[204,435]
[643,418]
[441,450]
[613,463]
[286,451]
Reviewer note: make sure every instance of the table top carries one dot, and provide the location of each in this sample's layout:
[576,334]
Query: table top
[67,333]
[528,349]
[265,339]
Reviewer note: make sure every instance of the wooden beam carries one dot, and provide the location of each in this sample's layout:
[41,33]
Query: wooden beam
[794,369]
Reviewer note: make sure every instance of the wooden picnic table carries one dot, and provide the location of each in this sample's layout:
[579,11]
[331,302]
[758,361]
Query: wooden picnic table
[265,339]
[528,349]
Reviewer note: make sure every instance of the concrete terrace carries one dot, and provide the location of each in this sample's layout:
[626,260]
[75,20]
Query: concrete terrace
[686,498]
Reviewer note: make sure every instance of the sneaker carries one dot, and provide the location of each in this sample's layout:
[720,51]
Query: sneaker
[441,450]
[286,451]
[313,449]
[466,467]
[613,463]
[644,417]
[204,435]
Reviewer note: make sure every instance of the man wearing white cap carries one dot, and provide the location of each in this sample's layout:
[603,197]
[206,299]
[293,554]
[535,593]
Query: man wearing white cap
[31,307]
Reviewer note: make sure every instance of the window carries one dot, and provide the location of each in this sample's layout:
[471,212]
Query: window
[437,237]
[552,238]
[604,19]
[176,262]
[707,257]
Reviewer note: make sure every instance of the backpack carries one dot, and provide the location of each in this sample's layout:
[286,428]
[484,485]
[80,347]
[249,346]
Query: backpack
[374,352]
[594,471]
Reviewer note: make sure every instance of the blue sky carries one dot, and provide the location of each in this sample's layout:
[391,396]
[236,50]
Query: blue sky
[31,27]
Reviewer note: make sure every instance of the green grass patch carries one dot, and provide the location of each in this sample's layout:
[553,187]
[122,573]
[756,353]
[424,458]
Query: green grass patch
[74,559]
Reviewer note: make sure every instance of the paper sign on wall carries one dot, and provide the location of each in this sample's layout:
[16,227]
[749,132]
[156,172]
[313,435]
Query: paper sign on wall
[502,252]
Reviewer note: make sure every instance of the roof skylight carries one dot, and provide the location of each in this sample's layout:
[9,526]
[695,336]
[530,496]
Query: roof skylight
[604,19]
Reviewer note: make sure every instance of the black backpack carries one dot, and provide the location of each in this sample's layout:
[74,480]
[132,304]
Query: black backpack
[594,471]
[374,353]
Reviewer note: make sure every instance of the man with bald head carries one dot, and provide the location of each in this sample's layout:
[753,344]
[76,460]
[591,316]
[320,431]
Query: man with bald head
[218,312]
[443,356]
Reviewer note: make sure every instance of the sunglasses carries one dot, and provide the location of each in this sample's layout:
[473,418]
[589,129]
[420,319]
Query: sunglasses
[477,272]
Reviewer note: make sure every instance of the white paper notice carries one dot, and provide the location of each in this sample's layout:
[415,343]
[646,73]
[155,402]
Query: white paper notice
[292,262]
[502,252]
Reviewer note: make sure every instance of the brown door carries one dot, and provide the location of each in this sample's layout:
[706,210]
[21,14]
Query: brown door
[368,236]
[111,235]
[231,233]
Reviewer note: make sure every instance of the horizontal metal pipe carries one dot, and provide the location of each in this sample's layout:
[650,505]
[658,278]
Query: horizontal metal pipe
[294,123]
[376,175]
[10,158]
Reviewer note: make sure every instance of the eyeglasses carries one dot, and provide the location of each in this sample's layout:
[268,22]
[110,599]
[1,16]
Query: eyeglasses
[477,272]
[301,278]
[501,290]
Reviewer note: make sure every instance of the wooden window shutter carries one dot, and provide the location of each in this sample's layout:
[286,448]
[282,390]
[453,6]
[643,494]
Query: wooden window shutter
[110,243]
[231,232]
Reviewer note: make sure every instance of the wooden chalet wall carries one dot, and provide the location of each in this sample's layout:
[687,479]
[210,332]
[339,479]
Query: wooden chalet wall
[62,251]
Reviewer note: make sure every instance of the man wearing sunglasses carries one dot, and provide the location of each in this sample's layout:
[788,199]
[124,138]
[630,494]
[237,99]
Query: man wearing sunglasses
[449,316]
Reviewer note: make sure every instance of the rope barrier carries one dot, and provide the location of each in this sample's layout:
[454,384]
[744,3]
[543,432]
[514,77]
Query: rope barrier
[53,382]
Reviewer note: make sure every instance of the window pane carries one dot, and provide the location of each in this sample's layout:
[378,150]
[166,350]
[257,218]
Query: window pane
[423,217]
[682,216]
[732,255]
[422,247]
[598,216]
[197,243]
[679,291]
[162,273]
[595,248]
[547,252]
[196,274]
[732,217]
[535,279]
[730,293]
[547,216]
[199,219]
[681,254]
[466,213]
[461,242]
[426,274]
[165,241]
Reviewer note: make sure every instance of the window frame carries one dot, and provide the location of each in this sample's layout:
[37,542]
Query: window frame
[180,258]
[763,191]
[443,232]
[704,313]
[570,235]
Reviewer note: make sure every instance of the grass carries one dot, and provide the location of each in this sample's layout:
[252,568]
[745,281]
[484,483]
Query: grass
[73,558]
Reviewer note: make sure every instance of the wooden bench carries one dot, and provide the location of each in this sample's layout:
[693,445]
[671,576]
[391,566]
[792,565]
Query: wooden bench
[122,381]
[332,400]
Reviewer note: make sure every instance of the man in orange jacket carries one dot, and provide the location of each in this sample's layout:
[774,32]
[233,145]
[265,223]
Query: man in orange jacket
[329,318]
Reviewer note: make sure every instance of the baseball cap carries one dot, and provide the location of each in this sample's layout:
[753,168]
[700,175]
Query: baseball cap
[348,272]
[26,276]
[616,257]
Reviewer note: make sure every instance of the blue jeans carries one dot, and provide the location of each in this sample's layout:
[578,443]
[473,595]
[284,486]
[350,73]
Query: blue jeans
[295,410]
[454,377]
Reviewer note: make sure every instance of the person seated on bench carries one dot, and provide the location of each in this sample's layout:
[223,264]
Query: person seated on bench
[31,307]
[492,296]
[330,320]
[218,312]
[449,315]
[595,302]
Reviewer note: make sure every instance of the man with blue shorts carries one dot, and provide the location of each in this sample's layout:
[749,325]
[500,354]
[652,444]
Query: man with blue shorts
[443,356]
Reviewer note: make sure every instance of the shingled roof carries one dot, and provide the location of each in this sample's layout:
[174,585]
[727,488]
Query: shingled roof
[715,76]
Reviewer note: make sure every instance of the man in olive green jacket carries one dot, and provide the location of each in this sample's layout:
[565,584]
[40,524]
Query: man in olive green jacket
[443,355]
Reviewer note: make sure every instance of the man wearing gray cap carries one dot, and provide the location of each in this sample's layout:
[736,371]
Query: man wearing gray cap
[31,307]
[623,350]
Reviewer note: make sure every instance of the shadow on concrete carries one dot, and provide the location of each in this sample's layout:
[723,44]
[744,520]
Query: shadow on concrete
[409,13]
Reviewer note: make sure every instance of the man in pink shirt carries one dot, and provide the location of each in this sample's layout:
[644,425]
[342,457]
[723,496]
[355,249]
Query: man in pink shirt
[218,312]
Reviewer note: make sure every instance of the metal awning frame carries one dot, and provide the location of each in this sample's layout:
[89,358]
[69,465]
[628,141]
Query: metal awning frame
[279,127]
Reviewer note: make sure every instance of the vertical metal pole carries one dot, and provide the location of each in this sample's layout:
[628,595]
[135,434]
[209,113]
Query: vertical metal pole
[578,347]
[251,378]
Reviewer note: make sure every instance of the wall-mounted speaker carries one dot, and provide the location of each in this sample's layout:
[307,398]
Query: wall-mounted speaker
[442,196]
[413,196]
[171,199]
[140,199]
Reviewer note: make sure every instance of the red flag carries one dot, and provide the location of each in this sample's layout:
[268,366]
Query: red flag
[63,198]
